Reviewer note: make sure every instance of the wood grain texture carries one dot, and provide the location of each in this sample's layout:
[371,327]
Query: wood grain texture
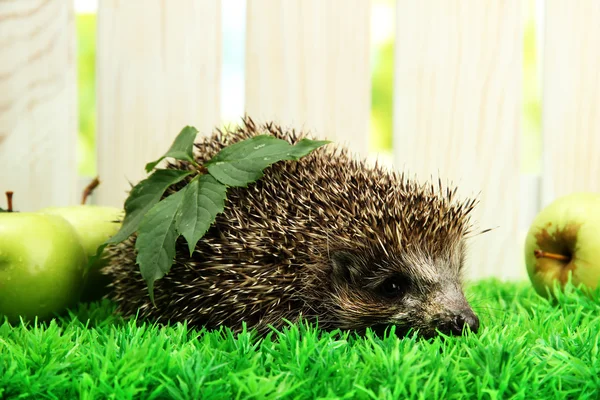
[158,69]
[307,66]
[457,114]
[571,98]
[38,110]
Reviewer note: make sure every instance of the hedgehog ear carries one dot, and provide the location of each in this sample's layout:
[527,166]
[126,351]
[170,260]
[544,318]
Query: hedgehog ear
[345,267]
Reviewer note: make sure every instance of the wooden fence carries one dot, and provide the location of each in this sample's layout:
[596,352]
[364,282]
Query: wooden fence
[457,95]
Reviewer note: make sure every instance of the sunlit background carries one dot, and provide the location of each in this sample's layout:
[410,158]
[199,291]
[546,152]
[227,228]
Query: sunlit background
[382,38]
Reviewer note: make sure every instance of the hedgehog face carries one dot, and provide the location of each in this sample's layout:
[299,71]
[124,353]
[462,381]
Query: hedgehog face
[412,292]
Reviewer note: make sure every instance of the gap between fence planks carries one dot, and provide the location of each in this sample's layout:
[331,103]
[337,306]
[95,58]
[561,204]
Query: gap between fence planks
[457,114]
[571,98]
[38,106]
[307,66]
[158,66]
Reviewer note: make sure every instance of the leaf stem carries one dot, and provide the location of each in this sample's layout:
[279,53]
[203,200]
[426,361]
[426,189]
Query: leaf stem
[202,169]
[89,189]
[9,196]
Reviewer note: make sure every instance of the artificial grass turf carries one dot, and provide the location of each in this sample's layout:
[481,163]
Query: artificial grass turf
[527,348]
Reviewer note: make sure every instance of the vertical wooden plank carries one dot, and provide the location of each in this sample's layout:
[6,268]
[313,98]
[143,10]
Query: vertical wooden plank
[158,69]
[307,66]
[38,123]
[456,113]
[571,98]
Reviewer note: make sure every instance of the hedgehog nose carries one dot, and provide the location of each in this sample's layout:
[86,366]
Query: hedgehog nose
[466,317]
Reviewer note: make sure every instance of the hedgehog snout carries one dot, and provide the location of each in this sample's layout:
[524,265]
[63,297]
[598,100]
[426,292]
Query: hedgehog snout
[455,323]
[463,319]
[452,313]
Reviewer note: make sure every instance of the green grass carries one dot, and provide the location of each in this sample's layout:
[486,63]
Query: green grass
[527,349]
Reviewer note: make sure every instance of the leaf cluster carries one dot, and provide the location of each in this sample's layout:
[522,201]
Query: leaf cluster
[189,212]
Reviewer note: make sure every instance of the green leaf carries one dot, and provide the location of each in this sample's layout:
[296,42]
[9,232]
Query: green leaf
[304,147]
[156,239]
[181,149]
[3,210]
[204,199]
[243,162]
[143,197]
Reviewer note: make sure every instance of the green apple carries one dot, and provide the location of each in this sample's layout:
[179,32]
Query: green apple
[42,265]
[563,241]
[94,224]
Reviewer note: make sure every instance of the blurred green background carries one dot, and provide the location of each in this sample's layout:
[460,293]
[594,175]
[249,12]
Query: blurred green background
[86,82]
[382,86]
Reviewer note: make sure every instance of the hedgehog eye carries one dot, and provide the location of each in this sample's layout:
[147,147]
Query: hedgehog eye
[393,286]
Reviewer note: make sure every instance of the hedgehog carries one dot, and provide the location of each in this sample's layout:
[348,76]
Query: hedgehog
[330,238]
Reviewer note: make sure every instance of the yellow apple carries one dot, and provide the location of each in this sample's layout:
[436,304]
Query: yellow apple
[94,224]
[563,241]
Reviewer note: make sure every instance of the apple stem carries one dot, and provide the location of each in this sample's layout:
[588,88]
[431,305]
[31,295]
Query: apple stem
[89,189]
[9,195]
[544,254]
